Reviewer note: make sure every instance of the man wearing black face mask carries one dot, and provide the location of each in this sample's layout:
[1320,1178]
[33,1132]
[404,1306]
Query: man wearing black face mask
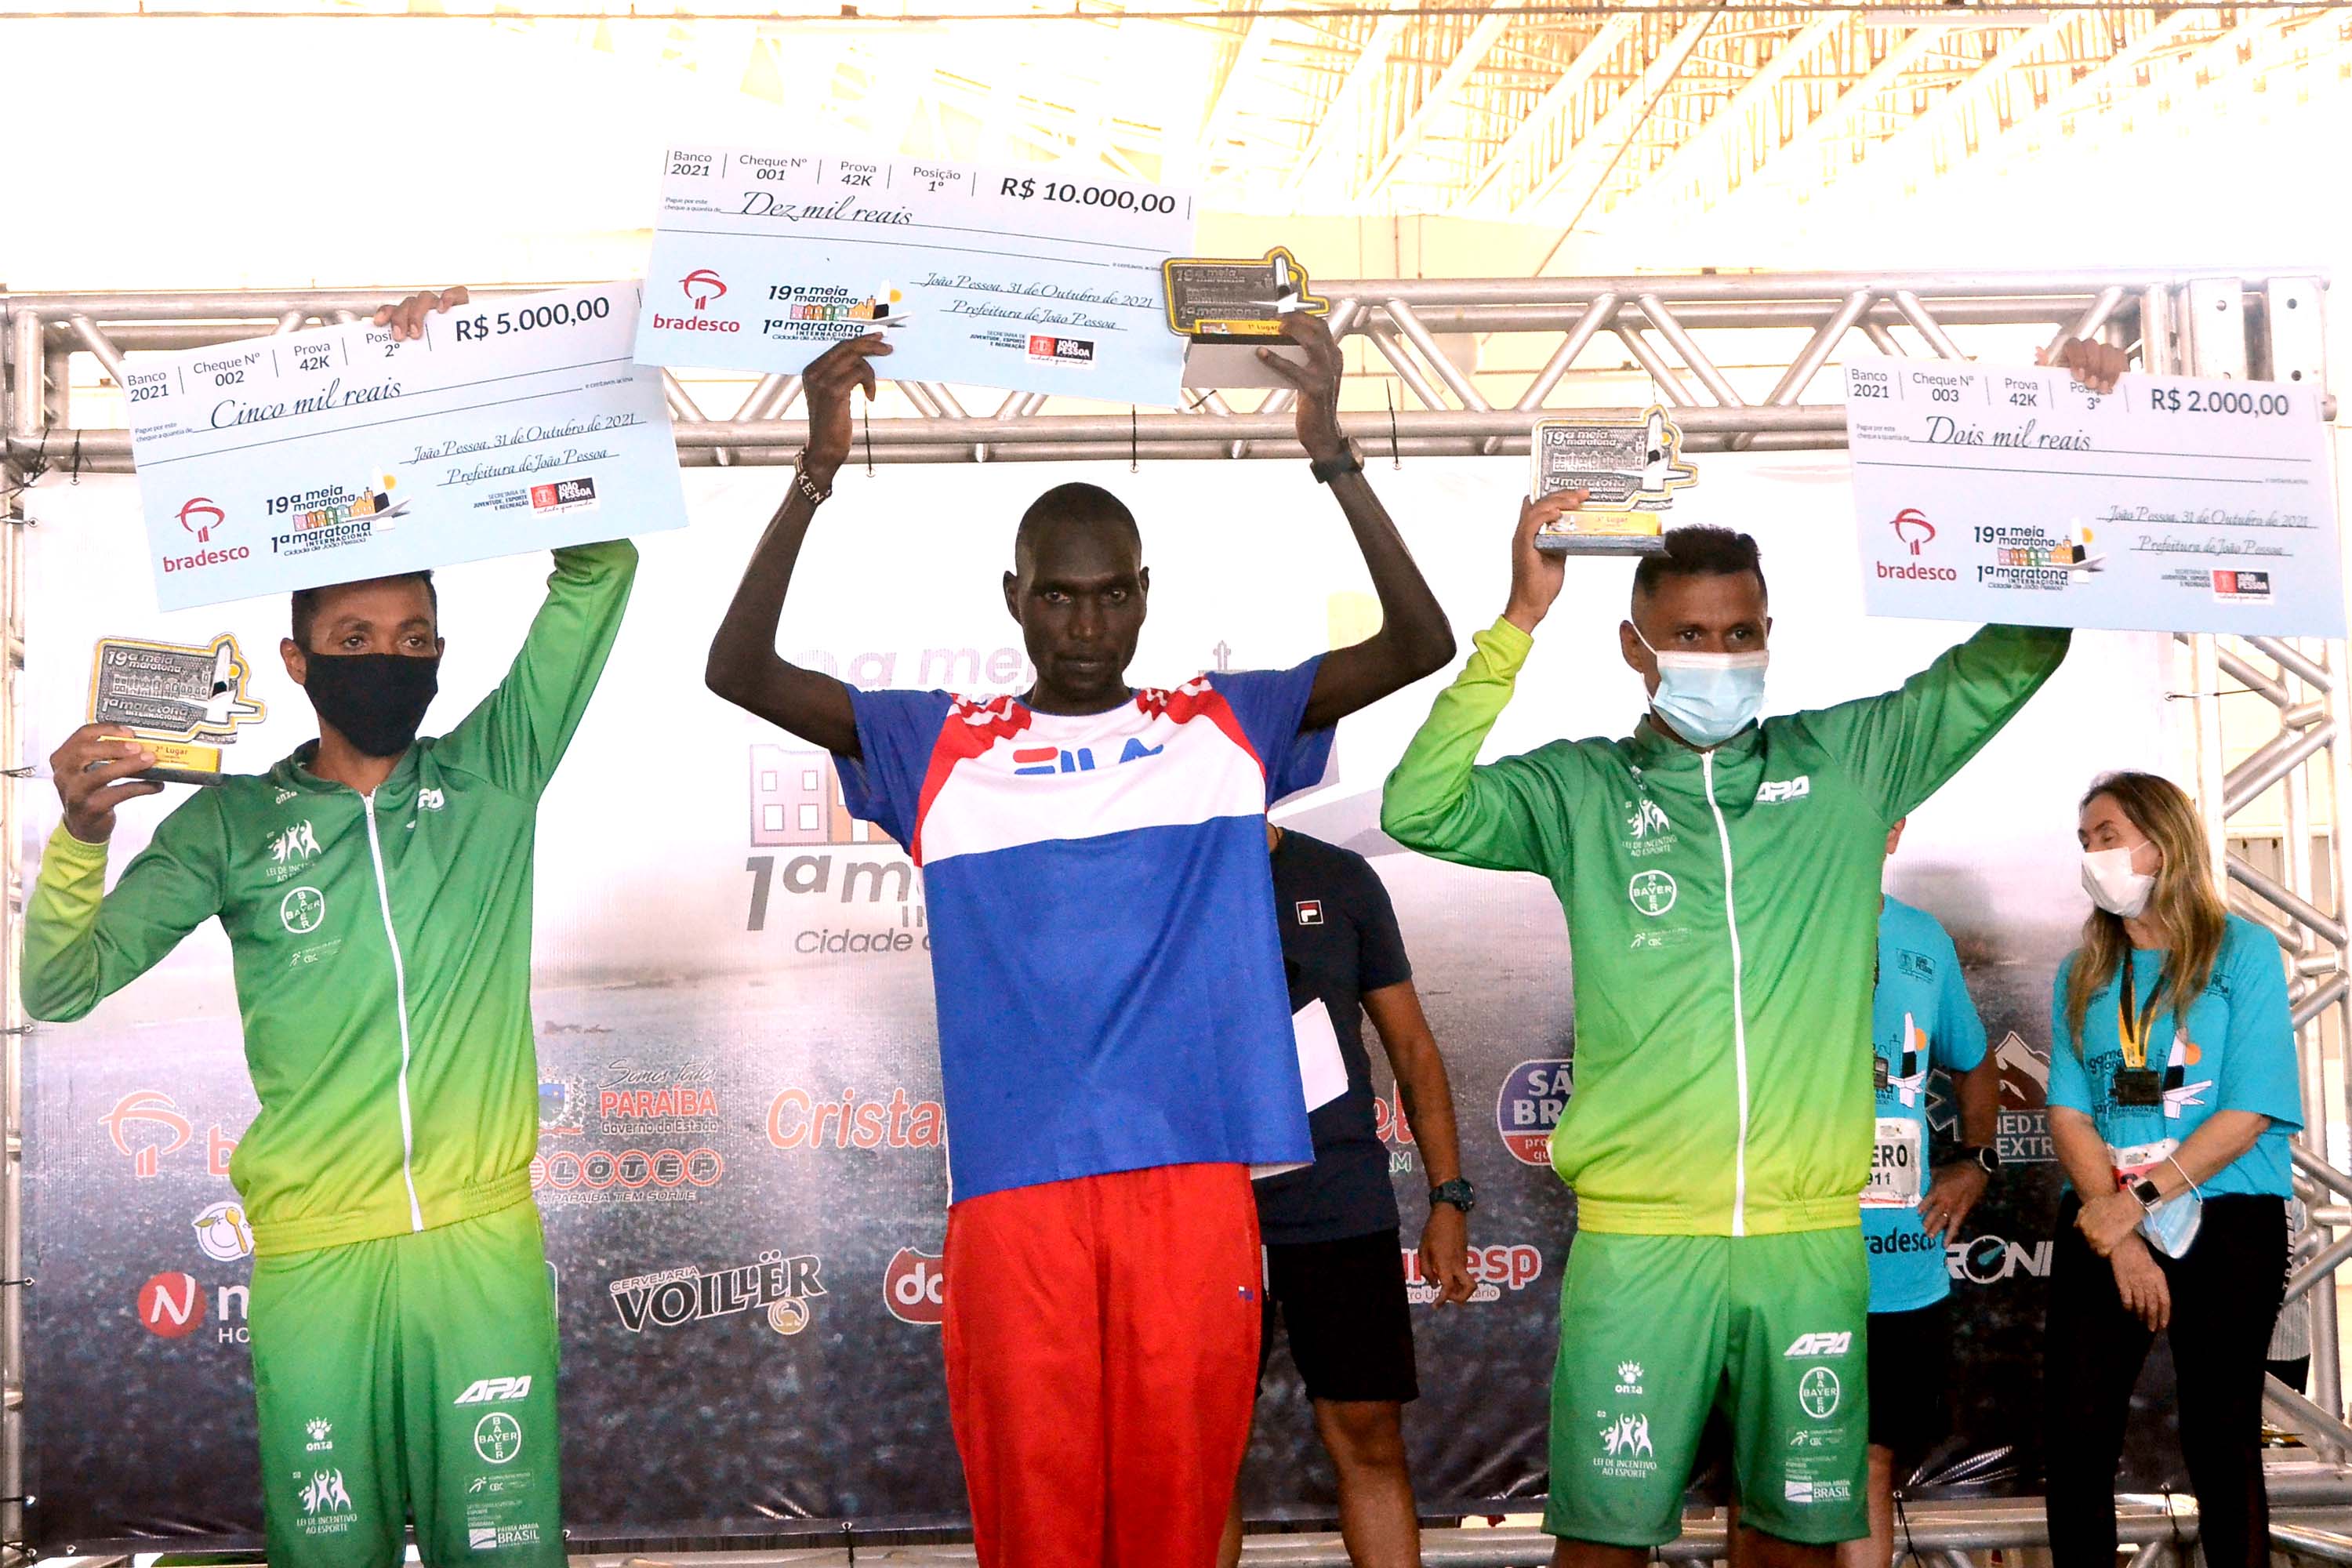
[376,889]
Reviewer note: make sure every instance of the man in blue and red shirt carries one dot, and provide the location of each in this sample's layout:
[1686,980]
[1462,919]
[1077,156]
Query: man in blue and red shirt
[1115,1036]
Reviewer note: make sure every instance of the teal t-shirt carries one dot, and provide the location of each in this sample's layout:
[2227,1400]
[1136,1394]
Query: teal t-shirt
[1920,1020]
[2235,1051]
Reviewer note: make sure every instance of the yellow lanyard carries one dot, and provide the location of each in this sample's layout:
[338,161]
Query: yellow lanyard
[2132,1031]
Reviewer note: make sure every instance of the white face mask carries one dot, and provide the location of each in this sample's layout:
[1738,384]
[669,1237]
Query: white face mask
[1708,697]
[2114,886]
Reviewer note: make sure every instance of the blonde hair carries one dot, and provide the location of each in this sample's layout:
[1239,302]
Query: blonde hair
[2185,902]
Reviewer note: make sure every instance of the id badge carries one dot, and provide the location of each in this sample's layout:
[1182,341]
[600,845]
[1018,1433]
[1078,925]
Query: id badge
[1894,1164]
[2139,1088]
[1878,1073]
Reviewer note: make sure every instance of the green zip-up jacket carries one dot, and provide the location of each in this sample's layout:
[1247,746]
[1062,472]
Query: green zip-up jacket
[1723,916]
[382,944]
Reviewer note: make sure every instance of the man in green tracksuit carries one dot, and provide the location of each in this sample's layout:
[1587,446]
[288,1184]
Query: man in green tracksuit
[1721,883]
[376,889]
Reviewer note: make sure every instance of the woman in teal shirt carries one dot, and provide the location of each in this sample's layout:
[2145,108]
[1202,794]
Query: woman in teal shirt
[2172,1097]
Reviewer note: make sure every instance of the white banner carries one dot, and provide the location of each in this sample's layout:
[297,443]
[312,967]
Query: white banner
[336,455]
[1990,493]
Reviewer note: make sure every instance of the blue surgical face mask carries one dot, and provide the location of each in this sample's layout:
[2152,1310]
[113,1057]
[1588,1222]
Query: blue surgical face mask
[1708,697]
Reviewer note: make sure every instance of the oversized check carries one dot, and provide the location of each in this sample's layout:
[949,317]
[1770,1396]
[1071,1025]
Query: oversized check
[987,278]
[1988,493]
[330,455]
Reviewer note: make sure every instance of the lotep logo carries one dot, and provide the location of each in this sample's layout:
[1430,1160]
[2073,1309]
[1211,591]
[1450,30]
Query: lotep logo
[703,285]
[1919,529]
[915,1286]
[199,516]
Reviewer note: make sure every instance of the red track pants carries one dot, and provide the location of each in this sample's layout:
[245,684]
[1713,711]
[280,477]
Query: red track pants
[1102,1359]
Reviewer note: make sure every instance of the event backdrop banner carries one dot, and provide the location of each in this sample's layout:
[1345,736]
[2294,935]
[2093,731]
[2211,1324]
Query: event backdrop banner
[740,1156]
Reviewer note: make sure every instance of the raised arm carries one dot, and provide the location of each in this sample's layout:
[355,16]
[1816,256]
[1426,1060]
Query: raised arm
[744,667]
[1413,639]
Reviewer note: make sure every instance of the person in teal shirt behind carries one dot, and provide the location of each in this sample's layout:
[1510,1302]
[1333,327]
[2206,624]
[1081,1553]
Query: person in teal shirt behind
[2172,1095]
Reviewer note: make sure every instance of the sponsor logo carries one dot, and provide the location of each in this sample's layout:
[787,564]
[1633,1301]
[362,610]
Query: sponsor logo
[2022,1132]
[491,1537]
[172,1306]
[1917,574]
[1646,818]
[301,910]
[199,516]
[498,1438]
[482,1538]
[782,1287]
[626,1175]
[150,1107]
[2242,588]
[1061,351]
[1912,527]
[1817,1393]
[563,494]
[1809,1345]
[1628,1434]
[430,800]
[1504,1266]
[681,1095]
[1652,892]
[320,1435]
[1629,1377]
[1625,1440]
[1989,1259]
[294,846]
[798,1119]
[1897,1243]
[915,1286]
[495,1390]
[703,285]
[324,1493]
[222,1232]
[1797,788]
[559,1108]
[1310,912]
[204,558]
[1817,1491]
[1528,1106]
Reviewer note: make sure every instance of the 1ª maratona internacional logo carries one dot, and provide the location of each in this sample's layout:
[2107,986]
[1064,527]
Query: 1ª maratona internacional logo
[703,285]
[199,516]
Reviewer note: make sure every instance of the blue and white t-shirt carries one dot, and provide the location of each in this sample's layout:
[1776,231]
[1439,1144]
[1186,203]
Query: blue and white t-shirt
[1920,1020]
[1109,976]
[2235,1051]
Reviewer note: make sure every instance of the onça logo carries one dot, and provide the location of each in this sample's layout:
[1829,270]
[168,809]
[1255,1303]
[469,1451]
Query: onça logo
[498,1438]
[1817,1393]
[1529,1104]
[915,1286]
[1912,527]
[172,1306]
[1652,892]
[199,516]
[703,285]
[223,1232]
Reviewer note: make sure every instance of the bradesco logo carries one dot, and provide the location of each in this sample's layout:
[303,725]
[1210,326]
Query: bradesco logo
[915,1286]
[1913,528]
[171,1306]
[700,287]
[1509,1266]
[199,516]
[154,1109]
[1528,1106]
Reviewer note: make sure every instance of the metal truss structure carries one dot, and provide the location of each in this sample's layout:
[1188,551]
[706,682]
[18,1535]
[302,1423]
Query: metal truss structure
[1466,365]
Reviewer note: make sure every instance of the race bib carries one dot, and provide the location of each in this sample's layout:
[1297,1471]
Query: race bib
[1895,1166]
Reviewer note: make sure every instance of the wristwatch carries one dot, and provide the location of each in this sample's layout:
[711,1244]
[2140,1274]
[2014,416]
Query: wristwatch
[1349,461]
[1986,1155]
[2145,1193]
[1457,1191]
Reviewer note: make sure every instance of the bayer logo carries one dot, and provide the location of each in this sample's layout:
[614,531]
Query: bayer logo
[1816,1392]
[301,910]
[1652,892]
[498,1438]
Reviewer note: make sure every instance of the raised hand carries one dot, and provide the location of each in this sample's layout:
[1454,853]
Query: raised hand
[829,385]
[2095,365]
[1317,382]
[93,774]
[1536,574]
[406,316]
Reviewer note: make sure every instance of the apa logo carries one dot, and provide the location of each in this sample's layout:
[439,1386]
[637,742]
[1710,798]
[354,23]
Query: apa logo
[1825,1344]
[146,1105]
[495,1390]
[915,1286]
[1919,529]
[703,285]
[172,1306]
[1529,1104]
[199,516]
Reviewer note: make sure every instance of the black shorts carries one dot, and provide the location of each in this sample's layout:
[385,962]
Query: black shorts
[1910,1361]
[1343,1305]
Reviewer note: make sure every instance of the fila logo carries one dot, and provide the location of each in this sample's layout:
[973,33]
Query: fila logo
[1797,788]
[1310,912]
[1809,1345]
[1036,760]
[494,1390]
[429,800]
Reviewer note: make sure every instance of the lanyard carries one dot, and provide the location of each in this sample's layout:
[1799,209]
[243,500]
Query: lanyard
[2134,1032]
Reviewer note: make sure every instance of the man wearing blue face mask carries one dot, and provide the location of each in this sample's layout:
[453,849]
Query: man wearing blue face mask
[1721,882]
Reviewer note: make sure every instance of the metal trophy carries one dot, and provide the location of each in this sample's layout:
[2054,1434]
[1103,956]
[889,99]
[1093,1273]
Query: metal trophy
[174,698]
[1629,471]
[1228,309]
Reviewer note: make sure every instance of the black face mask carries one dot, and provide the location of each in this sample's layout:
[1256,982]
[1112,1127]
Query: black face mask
[376,700]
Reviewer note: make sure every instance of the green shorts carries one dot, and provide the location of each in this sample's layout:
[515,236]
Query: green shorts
[414,1374]
[1657,1330]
